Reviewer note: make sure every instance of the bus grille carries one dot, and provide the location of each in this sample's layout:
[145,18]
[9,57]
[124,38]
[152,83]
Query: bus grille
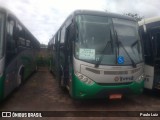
[114,72]
[93,70]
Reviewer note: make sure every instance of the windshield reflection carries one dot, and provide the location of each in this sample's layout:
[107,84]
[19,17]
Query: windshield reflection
[1,34]
[96,42]
[127,33]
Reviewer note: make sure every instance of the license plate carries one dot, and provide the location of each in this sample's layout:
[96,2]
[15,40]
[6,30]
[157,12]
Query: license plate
[115,96]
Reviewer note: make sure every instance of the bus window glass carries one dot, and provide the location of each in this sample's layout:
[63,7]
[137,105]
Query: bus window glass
[94,34]
[11,44]
[96,38]
[155,38]
[62,35]
[59,36]
[158,44]
[127,34]
[53,44]
[146,41]
[1,34]
[21,33]
[28,43]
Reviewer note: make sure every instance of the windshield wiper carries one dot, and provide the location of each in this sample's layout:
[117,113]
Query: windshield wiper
[133,44]
[132,61]
[120,43]
[101,57]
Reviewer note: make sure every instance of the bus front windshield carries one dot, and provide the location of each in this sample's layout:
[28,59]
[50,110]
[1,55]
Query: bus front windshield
[96,40]
[128,36]
[1,34]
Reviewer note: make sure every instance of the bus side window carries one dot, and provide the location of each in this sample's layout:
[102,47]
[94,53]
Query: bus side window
[70,37]
[62,35]
[11,43]
[158,44]
[56,42]
[71,32]
[58,36]
[146,41]
[21,35]
[28,43]
[155,37]
[53,47]
[28,40]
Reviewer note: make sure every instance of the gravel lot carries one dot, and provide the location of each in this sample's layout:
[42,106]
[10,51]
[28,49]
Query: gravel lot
[41,93]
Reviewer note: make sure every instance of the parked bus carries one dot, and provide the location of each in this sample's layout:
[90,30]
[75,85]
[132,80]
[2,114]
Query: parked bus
[18,49]
[150,32]
[97,54]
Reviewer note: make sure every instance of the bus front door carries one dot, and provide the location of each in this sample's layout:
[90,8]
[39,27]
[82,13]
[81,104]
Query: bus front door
[155,40]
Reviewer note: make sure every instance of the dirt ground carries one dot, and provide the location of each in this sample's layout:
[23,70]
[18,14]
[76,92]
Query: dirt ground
[41,93]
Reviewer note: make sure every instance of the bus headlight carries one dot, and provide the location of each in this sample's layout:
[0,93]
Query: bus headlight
[140,78]
[84,79]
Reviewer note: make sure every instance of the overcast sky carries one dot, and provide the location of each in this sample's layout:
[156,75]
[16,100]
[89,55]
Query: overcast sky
[44,17]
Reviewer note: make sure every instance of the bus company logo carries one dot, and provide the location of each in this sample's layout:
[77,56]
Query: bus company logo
[127,78]
[116,79]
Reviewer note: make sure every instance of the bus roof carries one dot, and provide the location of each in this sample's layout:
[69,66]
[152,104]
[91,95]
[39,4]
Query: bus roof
[101,13]
[93,12]
[7,11]
[149,20]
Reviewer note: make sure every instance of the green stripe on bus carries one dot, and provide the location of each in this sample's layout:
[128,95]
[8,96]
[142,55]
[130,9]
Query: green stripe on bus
[81,90]
[2,78]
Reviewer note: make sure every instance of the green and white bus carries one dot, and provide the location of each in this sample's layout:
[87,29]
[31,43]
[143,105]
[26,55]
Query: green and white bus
[97,54]
[18,50]
[150,32]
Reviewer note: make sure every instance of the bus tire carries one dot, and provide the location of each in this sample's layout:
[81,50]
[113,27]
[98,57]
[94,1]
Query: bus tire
[20,78]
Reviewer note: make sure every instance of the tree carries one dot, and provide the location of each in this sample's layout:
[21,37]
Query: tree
[134,15]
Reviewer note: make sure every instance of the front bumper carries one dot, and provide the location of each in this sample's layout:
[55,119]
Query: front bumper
[80,90]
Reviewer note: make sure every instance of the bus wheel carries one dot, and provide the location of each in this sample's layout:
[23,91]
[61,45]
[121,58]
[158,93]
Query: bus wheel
[19,80]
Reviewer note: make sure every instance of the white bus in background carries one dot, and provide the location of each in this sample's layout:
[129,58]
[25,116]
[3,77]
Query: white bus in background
[150,32]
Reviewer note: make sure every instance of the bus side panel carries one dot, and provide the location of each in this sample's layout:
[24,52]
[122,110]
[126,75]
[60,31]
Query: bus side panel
[148,56]
[27,60]
[10,79]
[149,74]
[2,78]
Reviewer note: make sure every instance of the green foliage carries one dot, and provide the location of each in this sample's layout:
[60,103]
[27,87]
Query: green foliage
[134,15]
[42,61]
